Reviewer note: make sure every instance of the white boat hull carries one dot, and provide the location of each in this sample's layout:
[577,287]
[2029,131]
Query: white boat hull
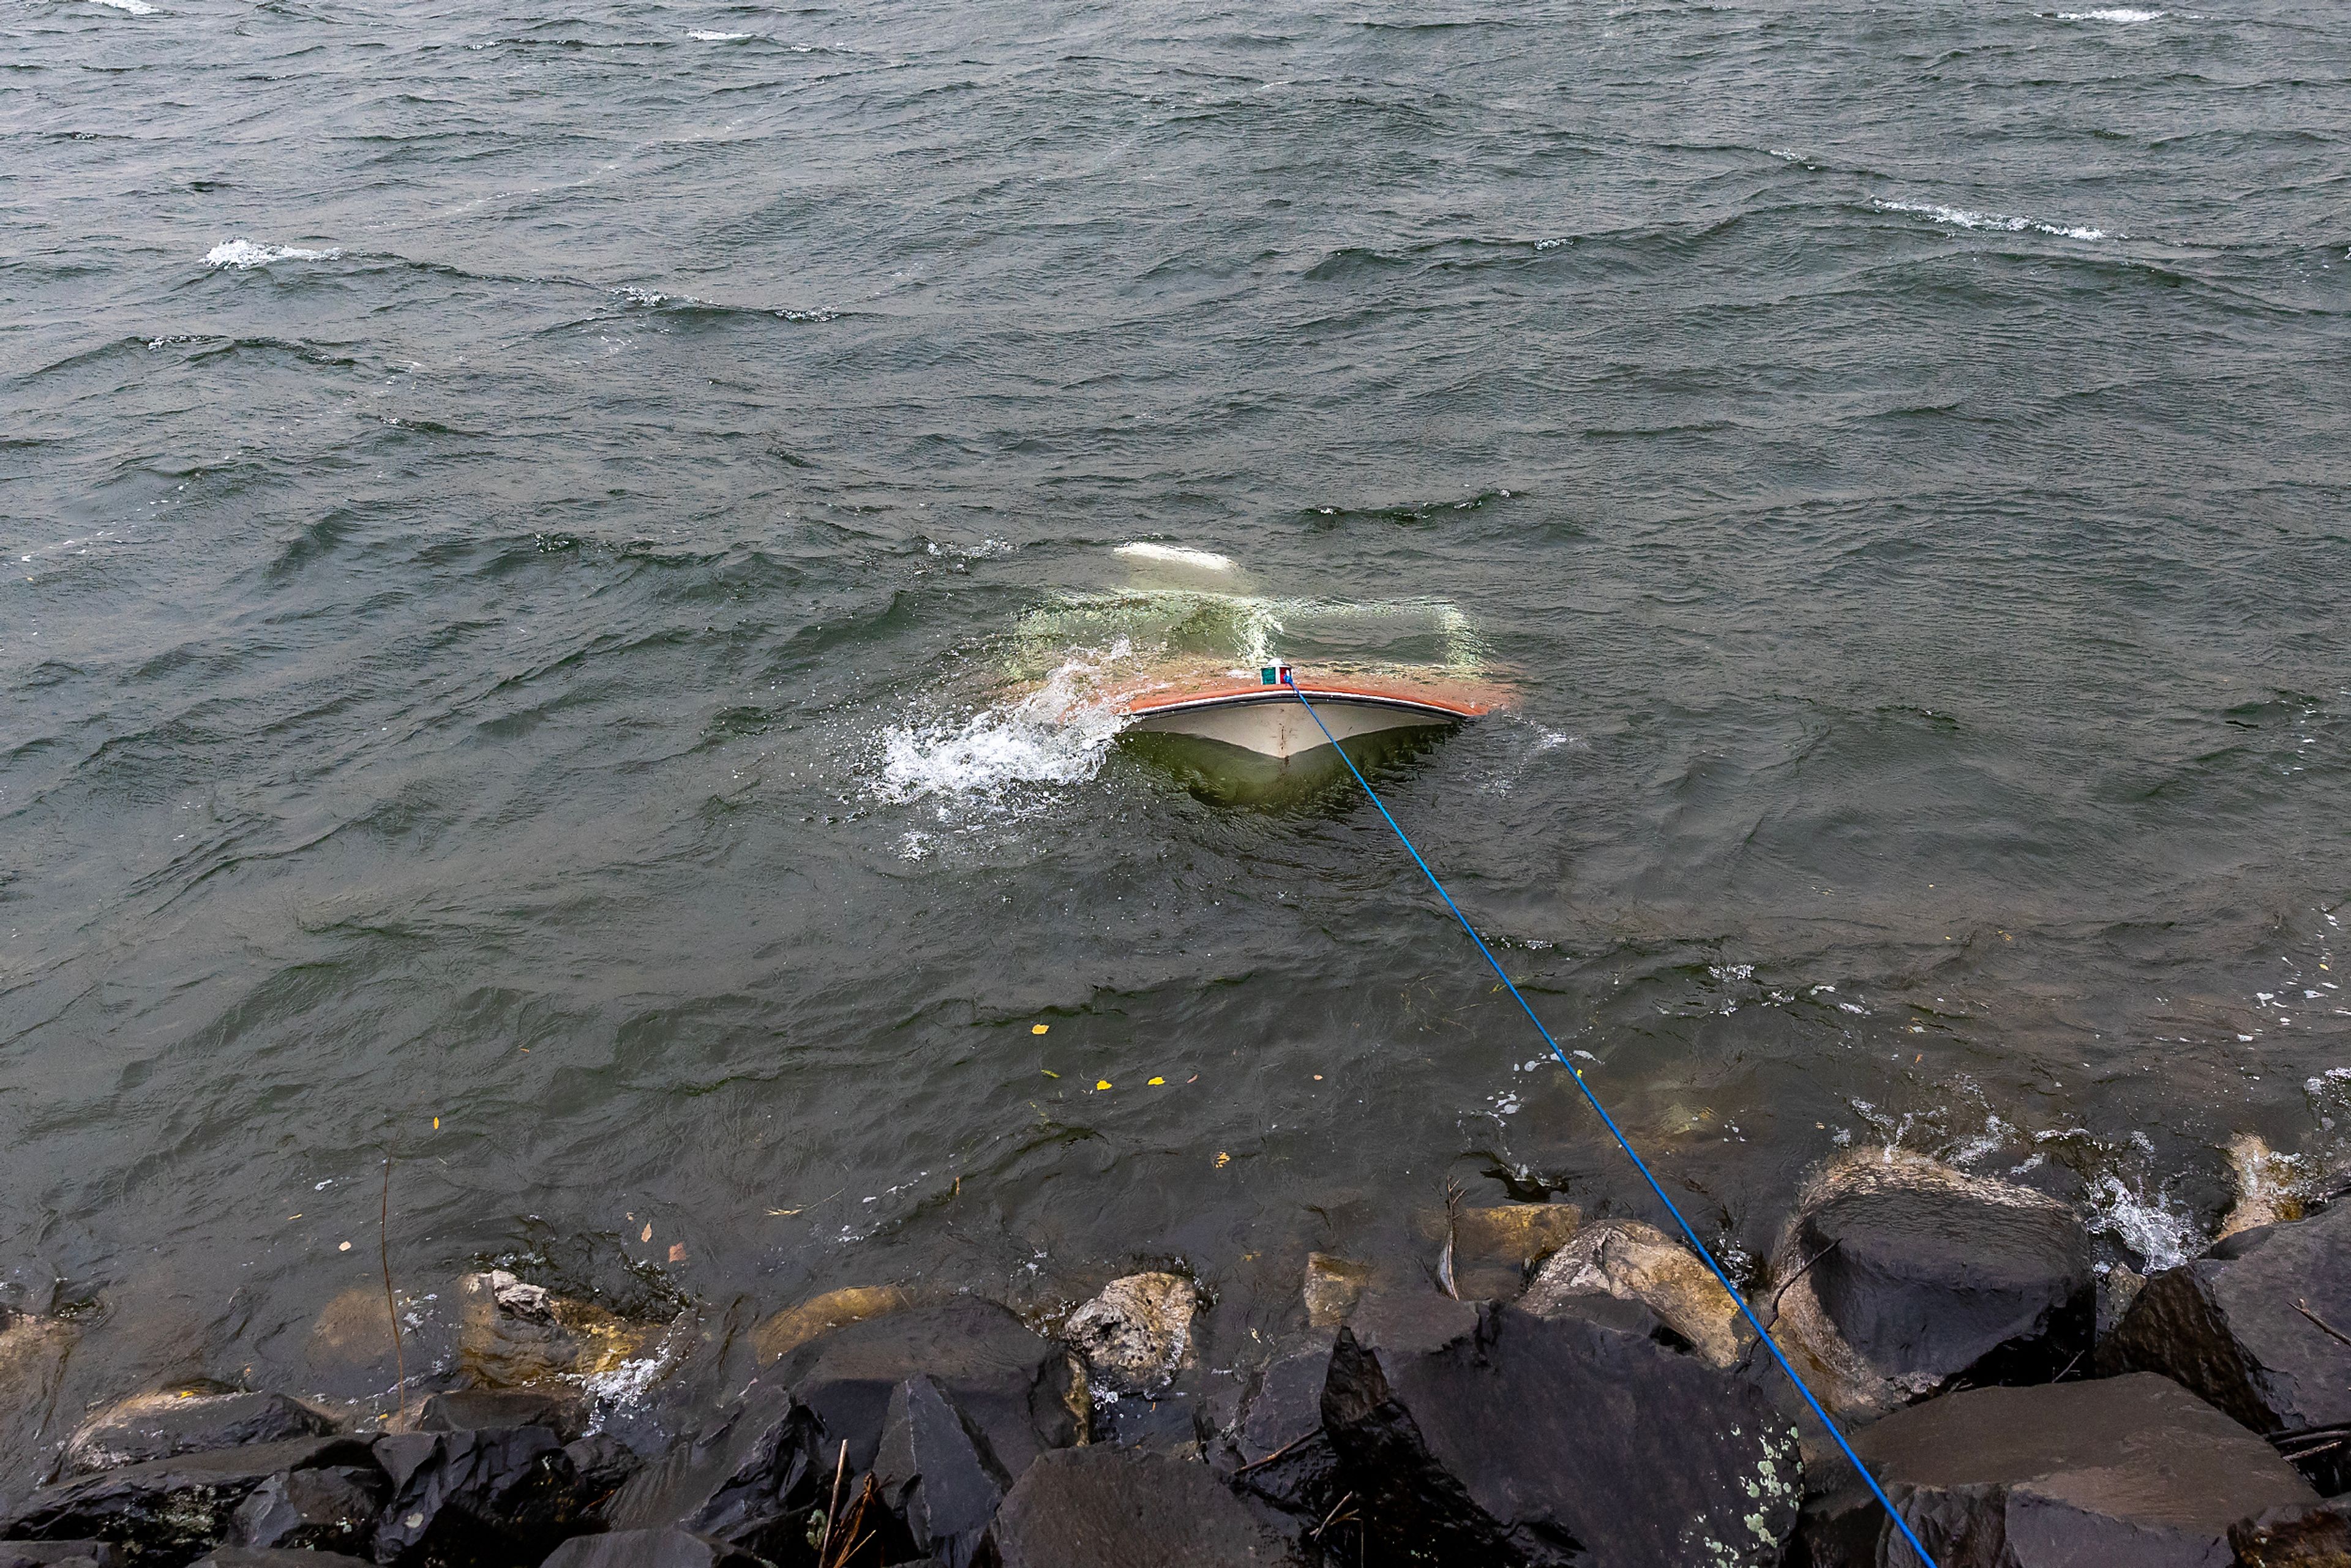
[1273,723]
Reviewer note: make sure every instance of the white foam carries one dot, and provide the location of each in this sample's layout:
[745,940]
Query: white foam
[2162,1235]
[701,36]
[136,7]
[1960,217]
[2116,15]
[1177,555]
[1055,735]
[244,252]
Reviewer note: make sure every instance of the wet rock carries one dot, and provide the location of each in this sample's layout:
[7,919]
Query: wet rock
[1901,1275]
[266,1557]
[2266,1186]
[188,1420]
[507,1332]
[747,1480]
[2261,1326]
[938,1473]
[2129,1470]
[33,1351]
[1478,1433]
[1332,1288]
[1014,1385]
[170,1511]
[2116,1291]
[1137,1331]
[331,1508]
[670,1548]
[59,1555]
[487,1495]
[1637,1263]
[602,1464]
[2293,1537]
[1279,1451]
[788,1330]
[1118,1507]
[560,1410]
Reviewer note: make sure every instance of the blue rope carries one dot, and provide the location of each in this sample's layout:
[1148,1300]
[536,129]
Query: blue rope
[1614,1130]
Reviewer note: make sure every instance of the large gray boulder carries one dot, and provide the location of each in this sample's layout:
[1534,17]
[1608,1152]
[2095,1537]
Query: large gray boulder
[671,1548]
[747,1480]
[2132,1470]
[510,1495]
[2261,1326]
[1015,1385]
[1900,1276]
[937,1472]
[1277,1449]
[1484,1433]
[1122,1508]
[331,1508]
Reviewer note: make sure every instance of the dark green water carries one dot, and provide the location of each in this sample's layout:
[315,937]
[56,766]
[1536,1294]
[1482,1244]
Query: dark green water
[532,541]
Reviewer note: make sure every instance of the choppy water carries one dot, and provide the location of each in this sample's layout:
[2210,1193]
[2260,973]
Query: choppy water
[533,541]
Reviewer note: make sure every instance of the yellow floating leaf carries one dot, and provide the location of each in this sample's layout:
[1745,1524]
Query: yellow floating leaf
[1039,1028]
[1102,1083]
[1049,1073]
[436,1123]
[1157,1080]
[648,1236]
[1223,1160]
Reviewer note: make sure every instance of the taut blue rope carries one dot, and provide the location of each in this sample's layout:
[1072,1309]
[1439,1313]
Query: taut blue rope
[1614,1132]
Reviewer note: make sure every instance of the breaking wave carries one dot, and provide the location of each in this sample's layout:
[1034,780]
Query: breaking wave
[2005,223]
[1057,734]
[1177,555]
[244,252]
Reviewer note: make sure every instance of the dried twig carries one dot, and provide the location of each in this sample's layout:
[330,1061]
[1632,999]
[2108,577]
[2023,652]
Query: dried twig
[1452,1196]
[391,1308]
[833,1508]
[1293,1442]
[1747,1356]
[1336,1517]
[2332,1331]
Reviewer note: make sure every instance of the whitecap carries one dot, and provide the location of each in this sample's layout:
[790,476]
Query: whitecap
[1177,555]
[244,252]
[701,36]
[1054,734]
[2157,1230]
[2117,14]
[135,8]
[1960,217]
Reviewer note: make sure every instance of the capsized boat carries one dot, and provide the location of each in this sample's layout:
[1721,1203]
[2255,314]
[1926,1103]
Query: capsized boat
[1265,718]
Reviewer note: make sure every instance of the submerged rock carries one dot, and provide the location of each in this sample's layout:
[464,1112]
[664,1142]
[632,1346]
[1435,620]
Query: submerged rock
[1017,1387]
[747,1480]
[349,1354]
[1137,1331]
[563,1411]
[670,1548]
[331,1508]
[33,1352]
[171,1509]
[788,1330]
[271,1557]
[938,1473]
[1486,1434]
[512,1335]
[1118,1508]
[2130,1471]
[188,1420]
[1637,1263]
[1900,1274]
[1487,1252]
[2261,1326]
[2266,1189]
[1334,1285]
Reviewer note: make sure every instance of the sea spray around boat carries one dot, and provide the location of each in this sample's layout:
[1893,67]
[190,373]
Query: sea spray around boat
[1175,677]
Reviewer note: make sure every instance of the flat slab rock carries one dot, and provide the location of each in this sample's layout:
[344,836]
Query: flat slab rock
[748,1479]
[1118,1507]
[2131,1471]
[150,1427]
[2252,1326]
[1478,1433]
[671,1548]
[171,1509]
[1012,1383]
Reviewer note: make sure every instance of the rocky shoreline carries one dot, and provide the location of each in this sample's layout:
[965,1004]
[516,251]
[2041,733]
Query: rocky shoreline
[1555,1391]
